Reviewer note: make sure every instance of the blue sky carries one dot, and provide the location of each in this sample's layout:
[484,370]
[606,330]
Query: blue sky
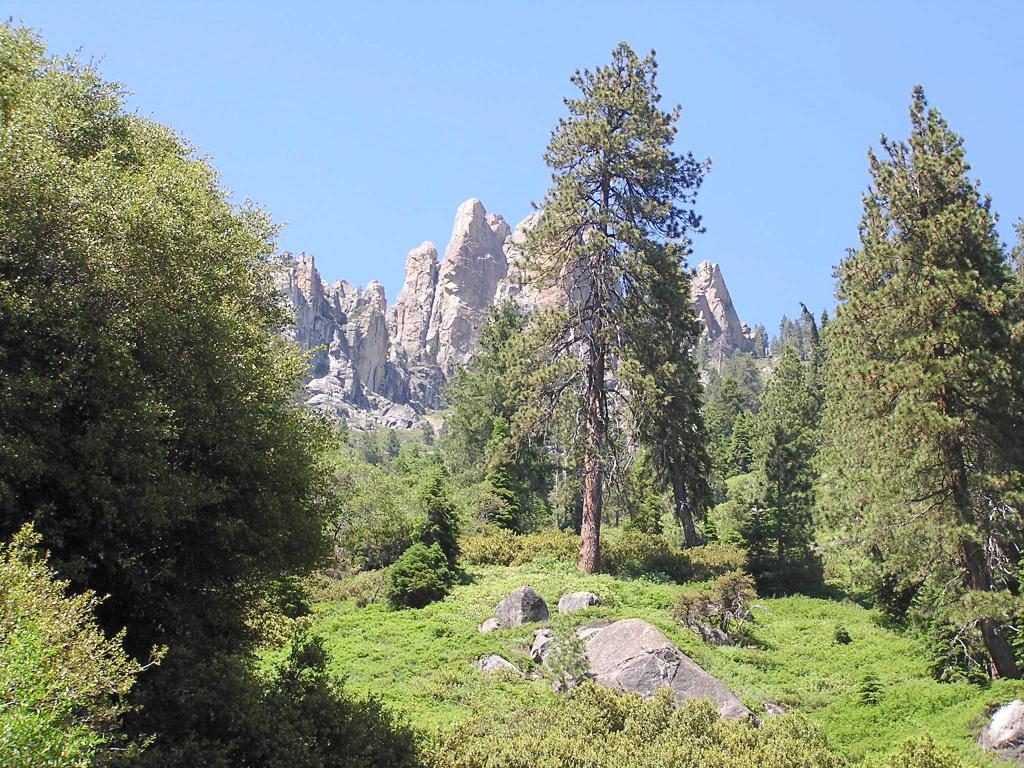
[363,126]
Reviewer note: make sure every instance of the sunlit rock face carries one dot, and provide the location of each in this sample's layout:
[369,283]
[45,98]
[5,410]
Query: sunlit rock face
[387,366]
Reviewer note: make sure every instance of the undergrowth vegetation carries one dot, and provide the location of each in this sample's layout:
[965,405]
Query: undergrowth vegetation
[418,662]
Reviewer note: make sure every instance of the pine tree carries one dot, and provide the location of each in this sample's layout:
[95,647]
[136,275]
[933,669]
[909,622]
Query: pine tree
[612,235]
[492,389]
[923,383]
[778,533]
[499,461]
[441,523]
[741,456]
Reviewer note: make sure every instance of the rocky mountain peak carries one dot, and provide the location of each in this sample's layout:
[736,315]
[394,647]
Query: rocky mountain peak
[387,366]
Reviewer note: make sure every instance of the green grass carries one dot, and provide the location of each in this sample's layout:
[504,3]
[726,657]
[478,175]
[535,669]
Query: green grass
[417,661]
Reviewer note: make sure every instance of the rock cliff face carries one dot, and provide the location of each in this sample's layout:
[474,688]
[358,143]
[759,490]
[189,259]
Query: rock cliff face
[381,366]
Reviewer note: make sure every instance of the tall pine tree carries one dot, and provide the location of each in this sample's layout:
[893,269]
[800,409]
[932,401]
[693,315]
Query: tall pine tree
[779,531]
[612,234]
[925,438]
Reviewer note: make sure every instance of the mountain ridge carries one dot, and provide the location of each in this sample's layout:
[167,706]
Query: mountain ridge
[381,365]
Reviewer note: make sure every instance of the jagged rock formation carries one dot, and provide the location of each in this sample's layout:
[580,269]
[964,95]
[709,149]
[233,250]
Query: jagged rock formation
[474,263]
[716,312]
[380,366]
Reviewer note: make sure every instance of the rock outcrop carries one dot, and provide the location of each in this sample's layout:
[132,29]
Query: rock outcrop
[632,656]
[577,601]
[522,606]
[474,263]
[716,312]
[380,366]
[1004,733]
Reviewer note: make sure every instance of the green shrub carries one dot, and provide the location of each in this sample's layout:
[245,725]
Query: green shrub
[364,587]
[63,682]
[492,546]
[599,727]
[713,560]
[312,721]
[918,753]
[498,546]
[641,554]
[724,607]
[419,577]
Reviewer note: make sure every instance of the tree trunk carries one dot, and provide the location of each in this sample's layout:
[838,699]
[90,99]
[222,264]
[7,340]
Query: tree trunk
[1004,661]
[682,509]
[590,530]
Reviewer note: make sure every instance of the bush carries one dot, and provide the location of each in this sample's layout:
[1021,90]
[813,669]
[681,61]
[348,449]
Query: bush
[312,721]
[599,727]
[63,682]
[919,753]
[497,546]
[365,587]
[639,554]
[419,577]
[724,607]
[492,546]
[713,560]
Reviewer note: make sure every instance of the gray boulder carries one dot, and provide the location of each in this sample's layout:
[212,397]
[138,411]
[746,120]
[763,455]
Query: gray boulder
[521,607]
[1004,732]
[495,663]
[539,649]
[576,601]
[632,656]
[490,625]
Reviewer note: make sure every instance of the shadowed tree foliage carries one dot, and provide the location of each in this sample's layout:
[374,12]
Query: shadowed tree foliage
[778,530]
[149,423]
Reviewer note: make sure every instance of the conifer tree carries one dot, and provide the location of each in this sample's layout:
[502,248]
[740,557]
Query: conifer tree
[741,456]
[924,379]
[617,213]
[441,522]
[778,533]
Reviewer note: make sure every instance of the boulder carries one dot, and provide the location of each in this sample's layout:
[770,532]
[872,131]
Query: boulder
[539,649]
[576,601]
[1004,732]
[494,663]
[490,625]
[524,605]
[633,656]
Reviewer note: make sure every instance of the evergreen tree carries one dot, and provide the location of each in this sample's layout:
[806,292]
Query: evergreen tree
[506,513]
[741,456]
[925,437]
[1017,254]
[441,521]
[778,532]
[492,390]
[612,235]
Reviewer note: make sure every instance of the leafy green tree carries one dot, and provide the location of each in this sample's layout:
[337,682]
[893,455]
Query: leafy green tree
[779,528]
[64,683]
[441,522]
[148,420]
[612,235]
[924,376]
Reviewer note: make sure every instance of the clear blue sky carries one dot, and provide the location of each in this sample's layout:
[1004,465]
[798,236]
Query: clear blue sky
[363,126]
